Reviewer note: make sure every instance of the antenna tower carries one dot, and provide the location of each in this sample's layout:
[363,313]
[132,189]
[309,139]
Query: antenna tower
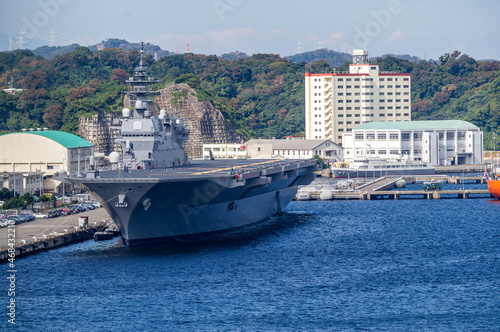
[52,37]
[188,50]
[300,47]
[21,39]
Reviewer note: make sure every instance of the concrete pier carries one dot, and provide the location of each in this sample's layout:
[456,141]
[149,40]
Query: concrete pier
[44,234]
[383,188]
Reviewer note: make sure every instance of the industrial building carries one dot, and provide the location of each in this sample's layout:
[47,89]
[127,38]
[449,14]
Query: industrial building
[28,153]
[443,142]
[293,149]
[336,103]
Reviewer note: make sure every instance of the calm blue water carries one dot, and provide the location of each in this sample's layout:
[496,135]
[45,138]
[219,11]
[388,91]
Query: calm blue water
[337,265]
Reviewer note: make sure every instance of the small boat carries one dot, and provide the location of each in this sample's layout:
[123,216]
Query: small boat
[494,183]
[105,235]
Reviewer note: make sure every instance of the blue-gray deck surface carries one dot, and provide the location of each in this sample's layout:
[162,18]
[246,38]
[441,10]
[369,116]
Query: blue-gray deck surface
[198,168]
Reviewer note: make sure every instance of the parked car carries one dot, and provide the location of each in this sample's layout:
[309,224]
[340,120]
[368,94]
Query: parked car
[16,219]
[41,215]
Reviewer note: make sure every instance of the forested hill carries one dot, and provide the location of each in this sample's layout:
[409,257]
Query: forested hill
[262,95]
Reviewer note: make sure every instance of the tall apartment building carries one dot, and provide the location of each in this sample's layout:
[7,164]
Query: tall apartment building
[336,103]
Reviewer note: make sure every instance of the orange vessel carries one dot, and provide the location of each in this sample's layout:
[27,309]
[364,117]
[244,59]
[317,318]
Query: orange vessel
[494,188]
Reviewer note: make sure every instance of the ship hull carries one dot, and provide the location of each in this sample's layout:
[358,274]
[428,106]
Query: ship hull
[154,210]
[353,173]
[494,188]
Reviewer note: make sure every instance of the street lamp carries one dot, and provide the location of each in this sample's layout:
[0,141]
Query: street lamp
[14,169]
[493,142]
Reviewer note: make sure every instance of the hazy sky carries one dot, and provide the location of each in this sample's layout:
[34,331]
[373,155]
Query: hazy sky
[417,27]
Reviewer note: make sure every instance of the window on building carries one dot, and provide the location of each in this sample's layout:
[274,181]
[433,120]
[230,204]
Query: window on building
[382,86]
[348,79]
[461,135]
[370,136]
[394,152]
[381,101]
[405,79]
[389,78]
[341,129]
[382,136]
[339,87]
[340,115]
[417,151]
[398,86]
[441,135]
[450,135]
[406,86]
[356,80]
[394,136]
[359,137]
[348,115]
[406,114]
[340,94]
[348,86]
[382,151]
[405,136]
[356,122]
[340,122]
[340,79]
[349,129]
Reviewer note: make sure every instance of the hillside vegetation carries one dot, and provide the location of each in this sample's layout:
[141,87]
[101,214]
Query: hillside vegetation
[262,95]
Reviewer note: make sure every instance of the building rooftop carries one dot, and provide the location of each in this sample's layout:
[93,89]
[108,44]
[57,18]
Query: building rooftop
[291,144]
[65,139]
[415,125]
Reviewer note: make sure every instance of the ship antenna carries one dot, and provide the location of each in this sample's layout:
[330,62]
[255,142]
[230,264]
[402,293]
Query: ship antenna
[141,62]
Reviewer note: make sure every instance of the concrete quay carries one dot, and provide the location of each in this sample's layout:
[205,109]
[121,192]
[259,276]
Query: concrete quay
[44,234]
[382,188]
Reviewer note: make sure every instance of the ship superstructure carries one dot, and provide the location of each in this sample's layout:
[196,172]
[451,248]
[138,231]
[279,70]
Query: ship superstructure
[148,141]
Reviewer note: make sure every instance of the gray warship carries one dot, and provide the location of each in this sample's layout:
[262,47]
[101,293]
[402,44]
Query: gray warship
[154,193]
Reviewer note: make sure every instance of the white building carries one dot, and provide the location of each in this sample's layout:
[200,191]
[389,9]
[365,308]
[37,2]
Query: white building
[444,142]
[293,149]
[336,103]
[47,152]
[224,151]
[22,183]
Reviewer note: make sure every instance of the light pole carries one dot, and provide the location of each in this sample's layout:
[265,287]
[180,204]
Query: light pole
[14,169]
[41,178]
